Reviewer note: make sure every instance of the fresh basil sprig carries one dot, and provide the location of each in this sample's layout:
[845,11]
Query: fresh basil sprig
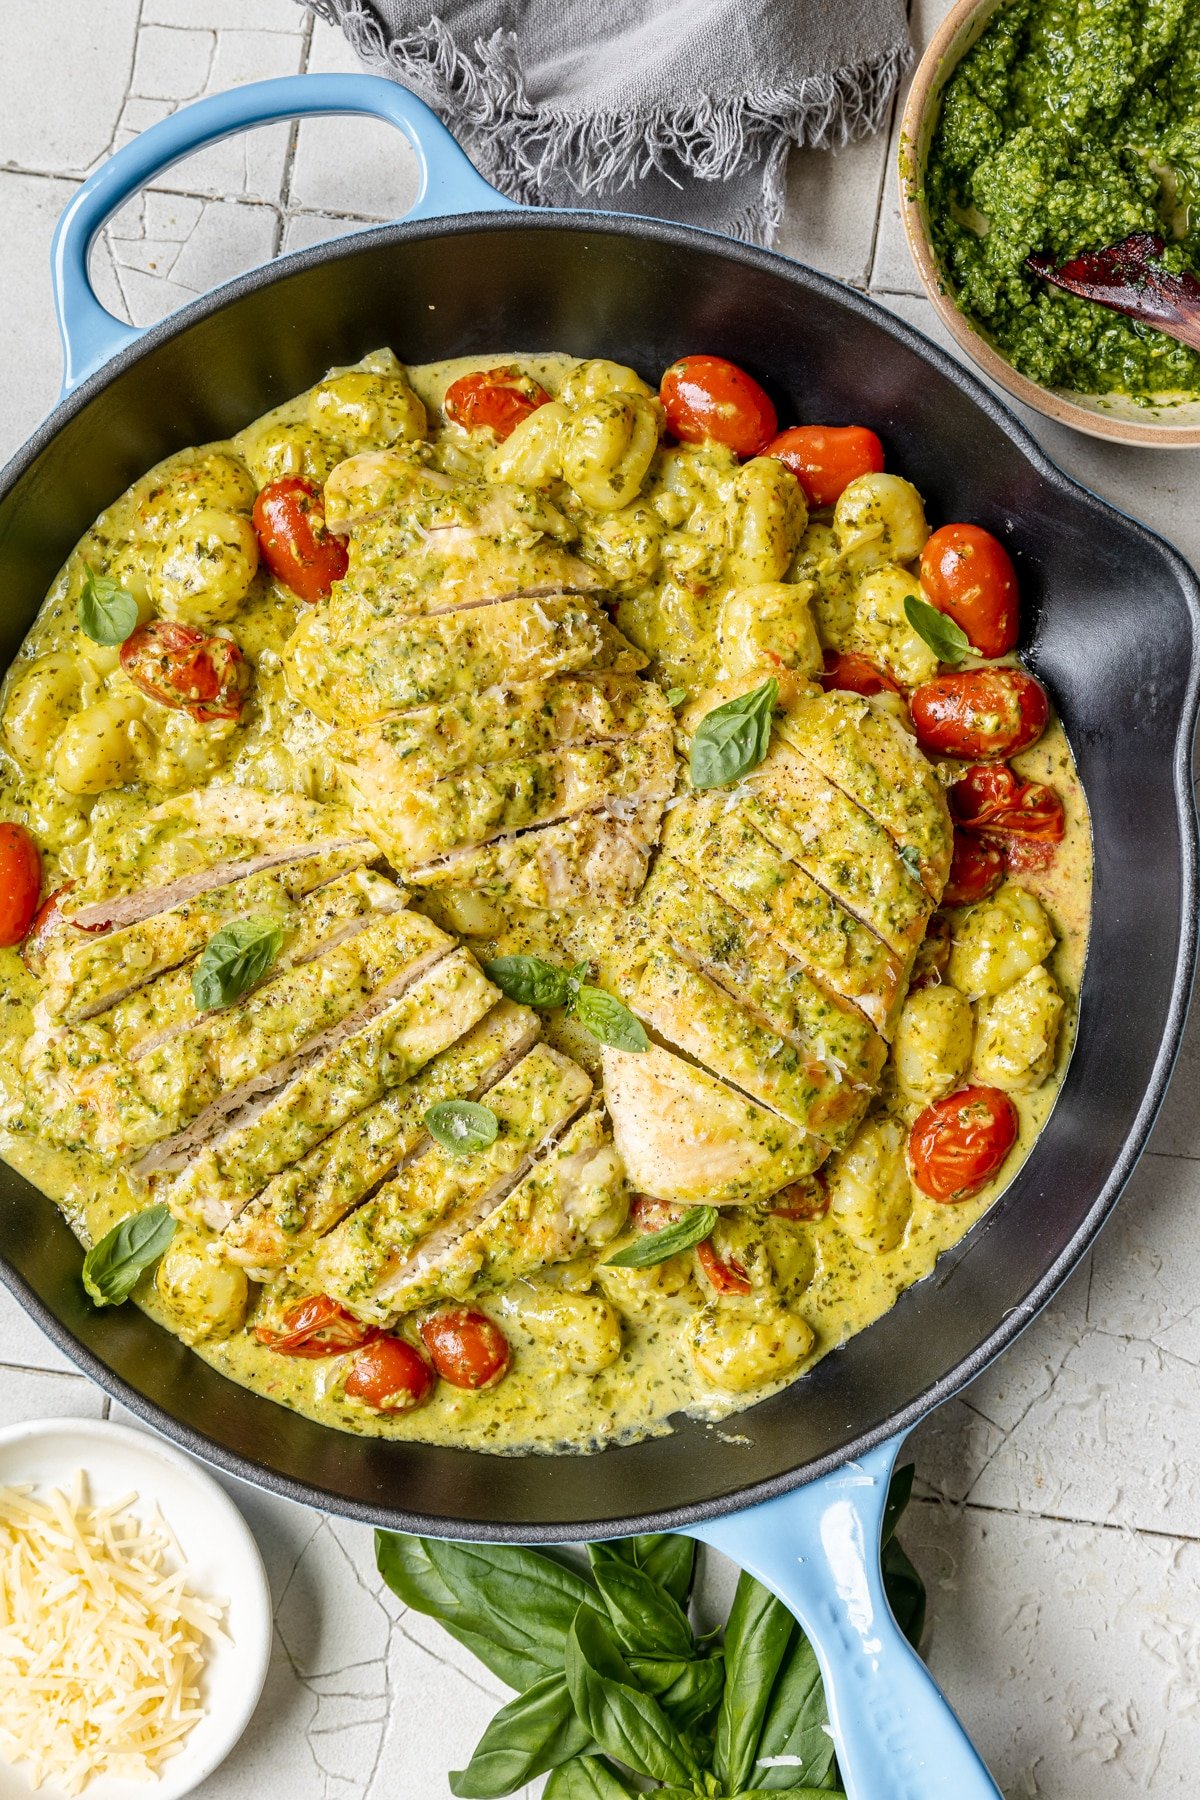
[462,1126]
[537,983]
[114,1265]
[656,1246]
[234,959]
[948,641]
[602,1718]
[107,614]
[733,738]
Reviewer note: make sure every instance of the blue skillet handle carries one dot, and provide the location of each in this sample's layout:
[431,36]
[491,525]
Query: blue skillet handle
[818,1549]
[449,183]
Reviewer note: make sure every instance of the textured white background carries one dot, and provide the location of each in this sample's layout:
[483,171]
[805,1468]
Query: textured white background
[1059,1528]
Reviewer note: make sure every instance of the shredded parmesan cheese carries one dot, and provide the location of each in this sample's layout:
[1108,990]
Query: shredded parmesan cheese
[101,1644]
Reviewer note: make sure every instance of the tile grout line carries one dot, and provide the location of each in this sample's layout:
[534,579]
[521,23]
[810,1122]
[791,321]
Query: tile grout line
[289,162]
[1049,1518]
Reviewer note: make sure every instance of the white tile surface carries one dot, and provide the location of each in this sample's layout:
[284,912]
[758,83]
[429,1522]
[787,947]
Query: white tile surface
[1059,1537]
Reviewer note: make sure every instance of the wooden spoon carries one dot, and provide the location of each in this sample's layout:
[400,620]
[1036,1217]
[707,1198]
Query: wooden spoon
[1130,278]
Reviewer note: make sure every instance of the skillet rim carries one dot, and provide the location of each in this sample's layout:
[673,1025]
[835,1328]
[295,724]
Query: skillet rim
[827,290]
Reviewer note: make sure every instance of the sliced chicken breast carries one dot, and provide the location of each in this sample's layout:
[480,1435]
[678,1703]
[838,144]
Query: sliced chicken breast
[599,857]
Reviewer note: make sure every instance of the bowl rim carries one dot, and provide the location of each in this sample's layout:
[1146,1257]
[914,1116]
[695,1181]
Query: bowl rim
[950,42]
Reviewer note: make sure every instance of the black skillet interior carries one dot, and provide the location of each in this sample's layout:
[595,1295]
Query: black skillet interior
[1110,624]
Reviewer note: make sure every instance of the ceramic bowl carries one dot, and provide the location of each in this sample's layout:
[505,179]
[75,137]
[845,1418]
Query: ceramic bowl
[223,1564]
[1111,416]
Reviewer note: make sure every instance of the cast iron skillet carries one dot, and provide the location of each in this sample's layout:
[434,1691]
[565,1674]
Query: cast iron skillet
[1110,617]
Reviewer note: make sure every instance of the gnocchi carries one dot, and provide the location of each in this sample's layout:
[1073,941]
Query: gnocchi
[607,448]
[739,1346]
[880,518]
[1017,1033]
[364,404]
[204,569]
[932,1046]
[999,941]
[870,1195]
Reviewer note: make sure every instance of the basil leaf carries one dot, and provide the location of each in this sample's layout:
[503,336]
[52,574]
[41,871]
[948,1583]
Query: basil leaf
[645,1619]
[911,861]
[948,641]
[667,1559]
[676,695]
[628,1724]
[107,614]
[905,1591]
[587,1778]
[732,739]
[512,1608]
[609,1019]
[535,1732]
[237,957]
[462,1126]
[114,1265]
[757,1635]
[686,1691]
[656,1246]
[530,980]
[796,1724]
[794,1793]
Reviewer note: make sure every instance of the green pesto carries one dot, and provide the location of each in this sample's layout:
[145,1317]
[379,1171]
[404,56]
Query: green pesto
[1069,125]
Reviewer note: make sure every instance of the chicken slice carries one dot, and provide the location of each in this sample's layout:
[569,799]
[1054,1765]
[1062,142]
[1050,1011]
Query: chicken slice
[827,834]
[751,966]
[695,1016]
[194,1079]
[515,719]
[303,1202]
[415,826]
[455,567]
[85,974]
[598,857]
[686,1137]
[574,1198]
[533,1105]
[280,1129]
[717,843]
[863,749]
[350,671]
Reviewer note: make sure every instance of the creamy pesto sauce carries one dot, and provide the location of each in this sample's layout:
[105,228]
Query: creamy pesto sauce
[542,1404]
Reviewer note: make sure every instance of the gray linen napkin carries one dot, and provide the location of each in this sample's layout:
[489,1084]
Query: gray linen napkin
[683,109]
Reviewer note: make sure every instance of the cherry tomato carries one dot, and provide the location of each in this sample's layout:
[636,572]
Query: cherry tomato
[707,399]
[20,882]
[807,1199]
[316,1326]
[653,1215]
[495,400]
[468,1349]
[294,540]
[724,1277]
[976,870]
[979,713]
[959,1143]
[991,799]
[48,920]
[389,1375]
[969,575]
[854,674]
[186,669]
[826,458]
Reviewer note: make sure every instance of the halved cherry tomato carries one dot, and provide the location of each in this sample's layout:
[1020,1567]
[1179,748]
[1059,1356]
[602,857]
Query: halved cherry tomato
[724,1277]
[316,1326]
[20,882]
[969,575]
[47,921]
[707,399]
[959,1143]
[992,800]
[826,458]
[933,954]
[493,400]
[854,674]
[807,1199]
[976,870]
[649,1214]
[390,1375]
[186,669]
[468,1349]
[979,713]
[295,542]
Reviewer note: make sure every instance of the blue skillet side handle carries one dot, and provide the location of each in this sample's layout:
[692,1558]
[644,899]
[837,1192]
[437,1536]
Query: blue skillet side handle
[817,1548]
[449,183]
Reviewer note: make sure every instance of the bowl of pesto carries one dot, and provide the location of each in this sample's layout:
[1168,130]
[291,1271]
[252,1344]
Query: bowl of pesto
[1038,126]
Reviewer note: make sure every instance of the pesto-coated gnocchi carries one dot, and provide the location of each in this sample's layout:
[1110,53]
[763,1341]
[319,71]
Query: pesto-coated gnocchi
[880,518]
[205,1297]
[739,1348]
[1017,1033]
[870,1195]
[881,629]
[204,567]
[767,521]
[999,941]
[365,404]
[931,1050]
[607,447]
